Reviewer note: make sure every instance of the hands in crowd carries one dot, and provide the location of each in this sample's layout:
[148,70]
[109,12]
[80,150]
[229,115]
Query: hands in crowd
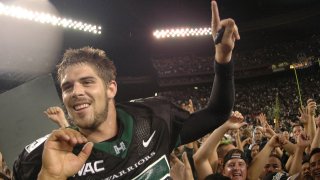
[278,140]
[188,107]
[267,129]
[303,140]
[180,169]
[307,112]
[235,121]
[56,115]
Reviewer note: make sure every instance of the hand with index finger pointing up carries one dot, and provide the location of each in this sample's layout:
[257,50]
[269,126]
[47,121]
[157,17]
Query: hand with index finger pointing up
[230,35]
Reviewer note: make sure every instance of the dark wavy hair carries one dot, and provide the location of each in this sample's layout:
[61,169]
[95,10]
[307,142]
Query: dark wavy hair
[96,58]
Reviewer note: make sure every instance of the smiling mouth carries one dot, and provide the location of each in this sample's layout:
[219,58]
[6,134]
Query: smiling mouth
[237,175]
[79,107]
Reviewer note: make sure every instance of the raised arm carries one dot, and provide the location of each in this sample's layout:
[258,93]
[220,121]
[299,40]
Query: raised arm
[258,162]
[307,115]
[221,100]
[56,115]
[202,156]
[302,142]
[311,106]
[316,139]
[238,140]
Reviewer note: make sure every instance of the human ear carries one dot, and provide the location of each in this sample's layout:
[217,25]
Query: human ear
[112,89]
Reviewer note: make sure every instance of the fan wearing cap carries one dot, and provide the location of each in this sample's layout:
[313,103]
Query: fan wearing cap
[206,159]
[235,165]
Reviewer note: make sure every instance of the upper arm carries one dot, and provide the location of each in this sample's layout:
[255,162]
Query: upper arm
[202,167]
[28,163]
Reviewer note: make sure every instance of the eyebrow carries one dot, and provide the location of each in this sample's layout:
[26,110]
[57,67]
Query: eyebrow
[81,79]
[87,78]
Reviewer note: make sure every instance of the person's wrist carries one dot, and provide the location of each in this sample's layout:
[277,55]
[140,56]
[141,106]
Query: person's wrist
[222,57]
[301,148]
[44,175]
[304,122]
[226,126]
[271,144]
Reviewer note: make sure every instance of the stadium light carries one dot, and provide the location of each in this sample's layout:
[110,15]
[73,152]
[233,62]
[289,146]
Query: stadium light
[45,18]
[181,32]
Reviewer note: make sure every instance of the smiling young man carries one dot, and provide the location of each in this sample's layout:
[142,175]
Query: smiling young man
[132,140]
[235,165]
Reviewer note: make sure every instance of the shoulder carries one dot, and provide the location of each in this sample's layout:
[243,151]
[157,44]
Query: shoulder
[34,148]
[36,144]
[28,163]
[155,104]
[152,99]
[159,105]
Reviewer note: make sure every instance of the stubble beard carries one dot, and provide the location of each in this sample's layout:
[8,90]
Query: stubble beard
[99,118]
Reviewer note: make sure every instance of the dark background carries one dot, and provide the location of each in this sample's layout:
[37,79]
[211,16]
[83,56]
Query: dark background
[127,27]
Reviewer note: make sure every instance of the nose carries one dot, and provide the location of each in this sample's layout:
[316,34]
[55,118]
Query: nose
[307,171]
[270,169]
[78,90]
[237,167]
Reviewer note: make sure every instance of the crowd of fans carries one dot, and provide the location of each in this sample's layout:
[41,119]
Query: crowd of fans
[240,150]
[254,96]
[277,134]
[183,65]
[285,52]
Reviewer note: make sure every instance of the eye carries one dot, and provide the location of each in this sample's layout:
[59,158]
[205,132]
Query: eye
[88,82]
[66,87]
[241,164]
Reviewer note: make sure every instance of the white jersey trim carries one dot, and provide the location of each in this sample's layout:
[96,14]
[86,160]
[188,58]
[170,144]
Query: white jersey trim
[29,148]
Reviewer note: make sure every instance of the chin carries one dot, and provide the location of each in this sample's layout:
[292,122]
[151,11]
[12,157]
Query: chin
[238,178]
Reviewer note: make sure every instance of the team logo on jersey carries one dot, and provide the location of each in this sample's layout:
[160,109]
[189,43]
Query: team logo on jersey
[121,147]
[91,168]
[146,144]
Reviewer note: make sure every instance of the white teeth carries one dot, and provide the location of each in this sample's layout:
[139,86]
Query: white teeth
[80,106]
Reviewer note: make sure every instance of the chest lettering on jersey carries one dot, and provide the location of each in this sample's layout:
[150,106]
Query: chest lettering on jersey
[132,167]
[121,147]
[91,167]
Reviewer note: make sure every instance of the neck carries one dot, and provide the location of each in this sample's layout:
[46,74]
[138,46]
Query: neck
[107,130]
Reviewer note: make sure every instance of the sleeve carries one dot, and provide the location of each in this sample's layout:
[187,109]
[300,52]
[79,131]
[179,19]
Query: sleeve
[28,164]
[218,109]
